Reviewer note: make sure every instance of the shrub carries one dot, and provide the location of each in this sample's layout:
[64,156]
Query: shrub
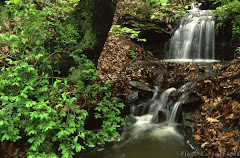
[37,106]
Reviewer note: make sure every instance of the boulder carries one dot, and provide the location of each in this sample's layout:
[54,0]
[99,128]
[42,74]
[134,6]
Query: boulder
[156,33]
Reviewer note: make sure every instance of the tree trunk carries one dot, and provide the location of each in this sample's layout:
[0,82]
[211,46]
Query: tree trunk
[93,19]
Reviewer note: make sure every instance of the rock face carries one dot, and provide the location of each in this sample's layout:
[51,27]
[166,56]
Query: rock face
[154,31]
[223,47]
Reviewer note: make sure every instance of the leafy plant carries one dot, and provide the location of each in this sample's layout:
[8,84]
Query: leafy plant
[118,30]
[37,106]
[164,9]
[229,11]
[238,49]
[132,54]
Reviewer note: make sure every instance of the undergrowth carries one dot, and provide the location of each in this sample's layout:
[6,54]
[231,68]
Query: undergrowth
[38,106]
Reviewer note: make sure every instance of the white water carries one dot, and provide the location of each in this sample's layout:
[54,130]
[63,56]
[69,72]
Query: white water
[181,100]
[194,40]
[160,103]
[150,136]
[192,60]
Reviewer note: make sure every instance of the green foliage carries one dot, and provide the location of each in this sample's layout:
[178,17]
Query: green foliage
[118,30]
[132,54]
[163,10]
[171,13]
[38,106]
[229,11]
[238,49]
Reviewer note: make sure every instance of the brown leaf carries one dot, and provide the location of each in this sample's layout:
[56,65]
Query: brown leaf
[6,24]
[204,144]
[212,120]
[197,137]
[231,116]
[207,81]
[5,49]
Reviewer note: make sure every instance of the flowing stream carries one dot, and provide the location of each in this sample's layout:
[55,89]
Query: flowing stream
[150,137]
[194,40]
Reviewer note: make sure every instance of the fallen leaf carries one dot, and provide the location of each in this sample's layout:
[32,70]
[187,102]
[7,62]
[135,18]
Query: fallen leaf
[5,49]
[207,81]
[211,120]
[197,137]
[231,116]
[204,144]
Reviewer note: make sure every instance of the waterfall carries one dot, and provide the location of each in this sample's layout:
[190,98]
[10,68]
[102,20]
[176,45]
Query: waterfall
[152,135]
[181,100]
[160,103]
[162,135]
[194,40]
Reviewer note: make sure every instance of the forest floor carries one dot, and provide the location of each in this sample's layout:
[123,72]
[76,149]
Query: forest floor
[218,86]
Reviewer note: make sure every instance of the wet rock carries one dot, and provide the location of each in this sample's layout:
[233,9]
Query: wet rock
[188,120]
[174,95]
[188,125]
[143,24]
[132,96]
[161,117]
[192,104]
[223,45]
[139,85]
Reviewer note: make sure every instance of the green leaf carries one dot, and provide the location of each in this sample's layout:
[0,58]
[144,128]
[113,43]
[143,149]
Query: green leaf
[23,40]
[37,57]
[38,42]
[15,1]
[78,148]
[5,137]
[82,135]
[75,139]
[49,66]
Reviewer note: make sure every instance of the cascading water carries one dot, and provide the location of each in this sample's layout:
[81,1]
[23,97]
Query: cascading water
[194,40]
[160,103]
[149,136]
[146,131]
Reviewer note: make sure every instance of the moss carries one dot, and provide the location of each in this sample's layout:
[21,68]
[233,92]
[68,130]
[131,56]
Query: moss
[82,20]
[93,20]
[88,40]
